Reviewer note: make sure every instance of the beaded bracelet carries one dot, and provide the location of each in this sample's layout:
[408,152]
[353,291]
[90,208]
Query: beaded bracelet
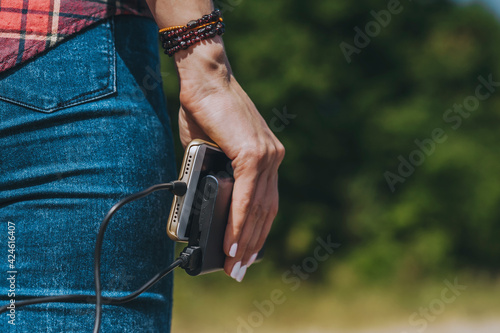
[181,37]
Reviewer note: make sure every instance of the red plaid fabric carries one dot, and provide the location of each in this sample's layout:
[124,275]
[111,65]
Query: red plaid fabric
[28,27]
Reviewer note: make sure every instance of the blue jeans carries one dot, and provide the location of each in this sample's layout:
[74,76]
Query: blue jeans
[81,127]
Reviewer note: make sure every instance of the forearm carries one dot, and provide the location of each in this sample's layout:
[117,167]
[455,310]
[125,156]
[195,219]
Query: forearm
[168,13]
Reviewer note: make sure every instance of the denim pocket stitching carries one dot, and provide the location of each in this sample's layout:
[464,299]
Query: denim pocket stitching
[110,85]
[71,102]
[111,79]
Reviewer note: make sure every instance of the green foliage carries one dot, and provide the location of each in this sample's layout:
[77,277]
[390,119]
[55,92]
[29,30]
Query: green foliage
[354,119]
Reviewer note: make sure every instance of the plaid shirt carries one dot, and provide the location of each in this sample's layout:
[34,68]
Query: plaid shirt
[29,27]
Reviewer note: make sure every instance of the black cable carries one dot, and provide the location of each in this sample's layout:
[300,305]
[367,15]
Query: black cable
[173,186]
[91,299]
[178,188]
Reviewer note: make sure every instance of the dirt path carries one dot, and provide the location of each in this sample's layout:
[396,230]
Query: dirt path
[487,326]
[457,326]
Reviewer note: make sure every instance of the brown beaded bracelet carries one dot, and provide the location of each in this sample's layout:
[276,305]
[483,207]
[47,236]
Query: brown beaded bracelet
[179,38]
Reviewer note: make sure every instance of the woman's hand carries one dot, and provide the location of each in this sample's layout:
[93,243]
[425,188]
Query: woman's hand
[214,107]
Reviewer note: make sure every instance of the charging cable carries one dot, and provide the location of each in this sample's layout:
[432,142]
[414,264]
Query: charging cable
[176,187]
[189,258]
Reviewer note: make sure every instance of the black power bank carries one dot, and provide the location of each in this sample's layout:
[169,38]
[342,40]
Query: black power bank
[207,225]
[208,221]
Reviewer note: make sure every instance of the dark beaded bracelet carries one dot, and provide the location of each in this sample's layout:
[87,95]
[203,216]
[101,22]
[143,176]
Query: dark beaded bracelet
[178,38]
[178,43]
[215,16]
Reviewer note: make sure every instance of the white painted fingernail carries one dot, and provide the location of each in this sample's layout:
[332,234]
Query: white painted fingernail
[241,273]
[232,251]
[252,259]
[236,270]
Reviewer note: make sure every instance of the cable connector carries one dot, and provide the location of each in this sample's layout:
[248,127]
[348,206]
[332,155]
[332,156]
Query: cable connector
[179,188]
[191,258]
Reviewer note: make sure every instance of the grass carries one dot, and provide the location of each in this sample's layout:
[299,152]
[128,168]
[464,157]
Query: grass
[216,303]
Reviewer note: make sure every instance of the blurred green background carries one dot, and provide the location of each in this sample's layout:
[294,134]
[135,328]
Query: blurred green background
[392,152]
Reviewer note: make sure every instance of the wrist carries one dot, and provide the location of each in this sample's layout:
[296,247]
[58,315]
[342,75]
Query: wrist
[209,56]
[203,68]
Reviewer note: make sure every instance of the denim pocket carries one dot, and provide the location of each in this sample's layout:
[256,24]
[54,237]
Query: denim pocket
[76,71]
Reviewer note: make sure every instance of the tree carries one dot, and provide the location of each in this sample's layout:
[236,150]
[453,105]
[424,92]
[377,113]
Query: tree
[352,120]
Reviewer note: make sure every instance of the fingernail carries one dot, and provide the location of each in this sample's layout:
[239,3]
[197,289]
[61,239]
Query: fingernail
[232,251]
[252,259]
[241,273]
[236,269]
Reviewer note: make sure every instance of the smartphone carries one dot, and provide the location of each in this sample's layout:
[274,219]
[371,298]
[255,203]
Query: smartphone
[201,158]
